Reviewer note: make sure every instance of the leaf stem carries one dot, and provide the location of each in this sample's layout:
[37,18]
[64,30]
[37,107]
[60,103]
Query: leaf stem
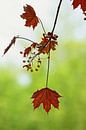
[25,39]
[48,68]
[55,21]
[57,13]
[42,25]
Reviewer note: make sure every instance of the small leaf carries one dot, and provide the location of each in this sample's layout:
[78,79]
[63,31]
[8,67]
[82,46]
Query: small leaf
[47,97]
[30,16]
[9,46]
[76,3]
[27,51]
[34,45]
[45,46]
[82,4]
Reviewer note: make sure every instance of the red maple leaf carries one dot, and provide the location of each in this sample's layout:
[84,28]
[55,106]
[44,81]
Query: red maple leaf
[46,97]
[27,51]
[45,46]
[9,46]
[82,4]
[30,16]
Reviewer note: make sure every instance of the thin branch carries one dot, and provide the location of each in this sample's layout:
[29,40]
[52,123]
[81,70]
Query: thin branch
[48,68]
[40,50]
[48,64]
[57,13]
[18,37]
[42,25]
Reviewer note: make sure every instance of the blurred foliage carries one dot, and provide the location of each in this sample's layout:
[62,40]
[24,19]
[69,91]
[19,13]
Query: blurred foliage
[68,77]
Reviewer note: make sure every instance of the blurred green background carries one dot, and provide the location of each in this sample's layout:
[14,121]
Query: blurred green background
[67,76]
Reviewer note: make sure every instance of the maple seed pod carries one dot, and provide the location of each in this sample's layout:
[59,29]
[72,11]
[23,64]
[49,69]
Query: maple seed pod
[31,70]
[56,36]
[21,52]
[36,69]
[29,65]
[48,57]
[33,53]
[84,18]
[28,61]
[84,13]
[38,66]
[30,57]
[39,60]
[44,34]
[24,61]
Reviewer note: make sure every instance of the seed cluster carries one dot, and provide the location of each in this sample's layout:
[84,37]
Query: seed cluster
[31,63]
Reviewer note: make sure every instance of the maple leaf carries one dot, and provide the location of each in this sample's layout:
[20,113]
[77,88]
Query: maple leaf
[47,97]
[27,51]
[34,45]
[82,4]
[9,46]
[30,16]
[45,46]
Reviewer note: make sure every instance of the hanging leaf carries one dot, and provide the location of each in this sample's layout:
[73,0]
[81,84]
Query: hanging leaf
[9,46]
[33,45]
[30,16]
[45,46]
[47,97]
[82,4]
[27,51]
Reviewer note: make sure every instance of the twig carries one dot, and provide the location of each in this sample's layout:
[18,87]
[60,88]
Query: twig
[55,21]
[48,68]
[57,13]
[42,26]
[18,37]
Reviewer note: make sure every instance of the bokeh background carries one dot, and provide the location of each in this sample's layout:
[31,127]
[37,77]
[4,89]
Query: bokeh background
[67,72]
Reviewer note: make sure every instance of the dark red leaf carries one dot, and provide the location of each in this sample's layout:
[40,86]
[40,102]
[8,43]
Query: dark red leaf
[30,16]
[82,4]
[27,51]
[47,97]
[45,46]
[34,45]
[9,46]
[76,3]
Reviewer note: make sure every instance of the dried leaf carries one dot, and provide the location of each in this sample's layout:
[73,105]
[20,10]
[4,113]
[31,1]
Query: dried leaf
[47,97]
[82,4]
[9,46]
[34,45]
[30,16]
[27,51]
[45,46]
